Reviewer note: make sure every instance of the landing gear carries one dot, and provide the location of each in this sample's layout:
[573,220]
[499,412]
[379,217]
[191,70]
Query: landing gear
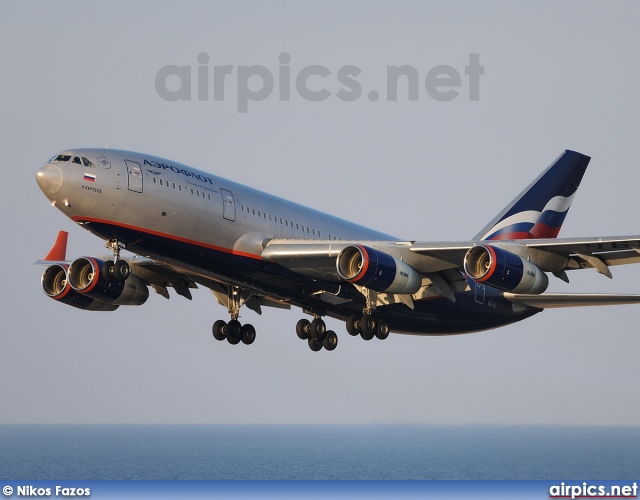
[330,342]
[368,325]
[116,269]
[316,334]
[234,331]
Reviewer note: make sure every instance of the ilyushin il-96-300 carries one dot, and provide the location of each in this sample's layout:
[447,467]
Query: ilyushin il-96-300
[188,228]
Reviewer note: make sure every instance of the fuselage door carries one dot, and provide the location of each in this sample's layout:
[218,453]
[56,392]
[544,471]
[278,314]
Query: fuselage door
[135,176]
[228,205]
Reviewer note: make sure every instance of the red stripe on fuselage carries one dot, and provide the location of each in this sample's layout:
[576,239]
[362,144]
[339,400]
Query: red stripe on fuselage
[167,236]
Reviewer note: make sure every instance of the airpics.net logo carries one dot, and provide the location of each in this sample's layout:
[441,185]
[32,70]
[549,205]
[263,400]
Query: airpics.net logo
[314,83]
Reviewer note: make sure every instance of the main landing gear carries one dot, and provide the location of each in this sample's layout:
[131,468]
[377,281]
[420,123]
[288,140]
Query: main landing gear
[233,331]
[368,325]
[316,334]
[116,269]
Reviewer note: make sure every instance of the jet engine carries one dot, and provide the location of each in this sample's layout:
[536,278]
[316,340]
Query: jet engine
[56,285]
[377,270]
[504,270]
[86,277]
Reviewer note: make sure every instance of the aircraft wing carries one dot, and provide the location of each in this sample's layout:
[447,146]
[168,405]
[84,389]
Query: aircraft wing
[318,258]
[551,255]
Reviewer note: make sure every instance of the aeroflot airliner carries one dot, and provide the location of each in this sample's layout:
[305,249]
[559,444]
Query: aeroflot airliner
[188,228]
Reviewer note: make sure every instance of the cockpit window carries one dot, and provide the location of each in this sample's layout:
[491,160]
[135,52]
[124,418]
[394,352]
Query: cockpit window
[63,158]
[87,163]
[76,159]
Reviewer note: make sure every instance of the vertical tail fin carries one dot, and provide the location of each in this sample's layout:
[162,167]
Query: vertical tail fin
[540,210]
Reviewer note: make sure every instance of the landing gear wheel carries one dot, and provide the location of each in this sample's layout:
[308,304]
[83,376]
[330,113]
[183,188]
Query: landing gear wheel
[318,329]
[107,271]
[121,271]
[303,329]
[314,345]
[234,332]
[353,325]
[330,342]
[248,334]
[218,330]
[367,327]
[382,332]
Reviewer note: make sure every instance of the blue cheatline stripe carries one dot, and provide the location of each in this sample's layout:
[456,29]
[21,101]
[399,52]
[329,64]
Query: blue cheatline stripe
[295,489]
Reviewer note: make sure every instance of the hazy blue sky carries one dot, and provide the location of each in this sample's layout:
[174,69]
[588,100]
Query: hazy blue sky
[556,76]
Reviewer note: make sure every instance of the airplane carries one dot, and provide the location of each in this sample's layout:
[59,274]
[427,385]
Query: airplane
[189,228]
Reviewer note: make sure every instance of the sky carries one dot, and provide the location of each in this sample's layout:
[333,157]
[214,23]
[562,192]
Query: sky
[555,76]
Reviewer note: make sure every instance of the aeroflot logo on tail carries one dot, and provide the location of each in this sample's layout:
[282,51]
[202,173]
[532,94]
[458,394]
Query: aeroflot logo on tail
[313,82]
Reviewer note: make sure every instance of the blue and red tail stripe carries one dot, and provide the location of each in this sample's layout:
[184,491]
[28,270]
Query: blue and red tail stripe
[540,210]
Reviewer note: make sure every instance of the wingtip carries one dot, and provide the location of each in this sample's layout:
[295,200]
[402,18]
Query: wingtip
[58,251]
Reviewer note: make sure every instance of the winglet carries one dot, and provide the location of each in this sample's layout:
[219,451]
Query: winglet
[58,251]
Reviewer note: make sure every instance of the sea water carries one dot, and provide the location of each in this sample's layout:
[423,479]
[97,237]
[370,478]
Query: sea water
[342,452]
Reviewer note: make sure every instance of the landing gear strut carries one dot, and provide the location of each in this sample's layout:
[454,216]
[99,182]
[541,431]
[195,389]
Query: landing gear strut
[316,334]
[233,331]
[116,269]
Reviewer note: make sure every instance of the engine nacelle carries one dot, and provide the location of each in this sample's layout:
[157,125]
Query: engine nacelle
[504,270]
[377,270]
[86,277]
[56,285]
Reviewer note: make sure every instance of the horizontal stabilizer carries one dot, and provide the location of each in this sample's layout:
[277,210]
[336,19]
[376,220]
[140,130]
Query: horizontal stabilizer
[550,300]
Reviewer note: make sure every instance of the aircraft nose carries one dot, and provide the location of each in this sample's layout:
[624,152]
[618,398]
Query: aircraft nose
[49,179]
